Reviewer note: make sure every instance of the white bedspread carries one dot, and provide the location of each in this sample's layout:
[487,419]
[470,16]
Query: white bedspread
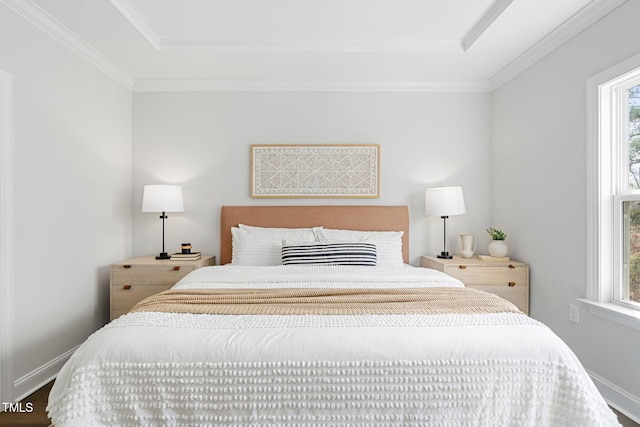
[170,369]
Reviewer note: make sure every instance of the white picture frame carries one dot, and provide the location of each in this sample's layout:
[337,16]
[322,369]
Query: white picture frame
[315,171]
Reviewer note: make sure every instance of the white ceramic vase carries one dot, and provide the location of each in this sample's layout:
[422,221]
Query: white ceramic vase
[498,248]
[466,245]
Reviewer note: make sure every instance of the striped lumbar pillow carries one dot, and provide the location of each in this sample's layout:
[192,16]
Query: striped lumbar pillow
[358,253]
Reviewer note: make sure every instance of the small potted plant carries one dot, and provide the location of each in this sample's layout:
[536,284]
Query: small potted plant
[497,248]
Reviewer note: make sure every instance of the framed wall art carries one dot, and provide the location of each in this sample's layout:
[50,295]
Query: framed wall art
[322,170]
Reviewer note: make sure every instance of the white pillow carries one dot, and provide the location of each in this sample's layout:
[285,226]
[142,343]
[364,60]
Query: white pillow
[263,246]
[275,229]
[388,243]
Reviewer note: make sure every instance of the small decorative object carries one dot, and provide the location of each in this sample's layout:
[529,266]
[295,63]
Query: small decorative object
[467,245]
[497,248]
[191,256]
[186,248]
[493,258]
[162,198]
[443,202]
[314,170]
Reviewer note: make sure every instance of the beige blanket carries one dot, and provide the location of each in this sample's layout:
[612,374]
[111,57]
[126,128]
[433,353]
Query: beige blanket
[326,301]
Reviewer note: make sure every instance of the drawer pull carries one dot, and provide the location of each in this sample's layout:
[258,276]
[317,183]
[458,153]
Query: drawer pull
[176,268]
[512,284]
[126,266]
[511,266]
[126,287]
[462,267]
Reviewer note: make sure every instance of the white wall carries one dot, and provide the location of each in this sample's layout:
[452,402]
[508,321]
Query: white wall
[201,141]
[72,196]
[539,189]
[519,155]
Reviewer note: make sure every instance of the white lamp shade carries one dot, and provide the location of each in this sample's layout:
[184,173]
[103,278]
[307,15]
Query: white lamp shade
[444,201]
[162,198]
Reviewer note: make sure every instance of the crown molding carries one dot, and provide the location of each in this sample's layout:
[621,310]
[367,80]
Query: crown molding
[62,34]
[485,22]
[312,46]
[585,17]
[571,27]
[125,8]
[144,85]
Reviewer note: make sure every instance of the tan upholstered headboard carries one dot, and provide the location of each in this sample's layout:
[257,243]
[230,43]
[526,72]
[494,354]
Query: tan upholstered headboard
[364,218]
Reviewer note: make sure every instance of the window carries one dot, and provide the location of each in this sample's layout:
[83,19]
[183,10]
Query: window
[630,285]
[613,195]
[627,194]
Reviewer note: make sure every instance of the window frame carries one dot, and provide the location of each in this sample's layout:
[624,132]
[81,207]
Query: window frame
[606,191]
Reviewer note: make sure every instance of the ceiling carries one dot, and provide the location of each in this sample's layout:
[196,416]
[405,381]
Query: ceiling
[313,44]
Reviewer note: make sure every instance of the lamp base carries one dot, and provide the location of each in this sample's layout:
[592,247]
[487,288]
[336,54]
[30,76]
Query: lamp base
[163,255]
[445,255]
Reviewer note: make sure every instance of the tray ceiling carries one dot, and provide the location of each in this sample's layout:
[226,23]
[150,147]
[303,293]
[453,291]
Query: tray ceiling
[314,44]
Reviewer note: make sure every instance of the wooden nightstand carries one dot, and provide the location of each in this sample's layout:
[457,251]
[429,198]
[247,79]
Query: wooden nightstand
[137,278]
[509,280]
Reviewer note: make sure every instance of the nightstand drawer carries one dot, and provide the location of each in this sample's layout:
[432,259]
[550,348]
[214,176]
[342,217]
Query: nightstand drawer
[148,275]
[518,295]
[508,279]
[124,297]
[498,276]
[138,278]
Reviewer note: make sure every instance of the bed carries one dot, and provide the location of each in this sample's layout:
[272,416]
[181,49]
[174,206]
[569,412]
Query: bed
[270,338]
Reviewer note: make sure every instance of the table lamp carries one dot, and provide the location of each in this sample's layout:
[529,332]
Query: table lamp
[443,202]
[162,198]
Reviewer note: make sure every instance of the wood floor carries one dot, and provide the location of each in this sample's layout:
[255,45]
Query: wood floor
[39,415]
[626,422]
[36,418]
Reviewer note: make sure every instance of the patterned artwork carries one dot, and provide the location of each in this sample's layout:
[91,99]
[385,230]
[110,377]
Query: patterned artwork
[315,170]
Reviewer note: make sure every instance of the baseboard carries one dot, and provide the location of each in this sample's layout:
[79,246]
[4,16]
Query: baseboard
[27,384]
[617,398]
